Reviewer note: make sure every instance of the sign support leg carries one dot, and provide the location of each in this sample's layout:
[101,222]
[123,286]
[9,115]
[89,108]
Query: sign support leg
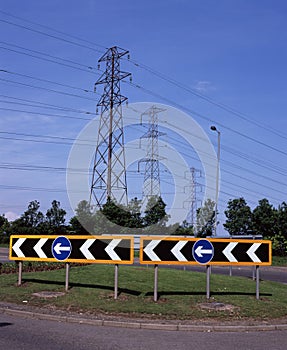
[208,281]
[20,267]
[116,281]
[257,281]
[155,282]
[67,277]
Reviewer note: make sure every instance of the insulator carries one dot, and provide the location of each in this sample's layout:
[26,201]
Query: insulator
[129,56]
[99,66]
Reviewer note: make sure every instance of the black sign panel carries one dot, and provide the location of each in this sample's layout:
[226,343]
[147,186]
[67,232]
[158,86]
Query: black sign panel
[82,249]
[188,251]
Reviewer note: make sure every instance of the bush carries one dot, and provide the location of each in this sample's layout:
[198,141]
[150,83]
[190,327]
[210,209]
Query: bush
[279,245]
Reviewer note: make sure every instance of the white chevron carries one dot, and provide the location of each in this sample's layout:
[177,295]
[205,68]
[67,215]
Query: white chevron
[38,248]
[251,252]
[227,251]
[16,247]
[85,249]
[110,249]
[176,251]
[149,250]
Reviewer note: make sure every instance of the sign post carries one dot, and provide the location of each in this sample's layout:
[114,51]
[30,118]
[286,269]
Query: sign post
[73,249]
[172,250]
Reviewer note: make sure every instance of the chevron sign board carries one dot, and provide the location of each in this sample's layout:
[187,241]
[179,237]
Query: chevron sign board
[191,251]
[80,249]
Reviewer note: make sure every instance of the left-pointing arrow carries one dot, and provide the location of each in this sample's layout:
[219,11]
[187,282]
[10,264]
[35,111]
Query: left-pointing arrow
[110,249]
[59,248]
[227,251]
[176,251]
[38,248]
[251,252]
[200,251]
[16,247]
[149,250]
[85,249]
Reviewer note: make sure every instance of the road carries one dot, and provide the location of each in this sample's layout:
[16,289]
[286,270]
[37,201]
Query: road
[31,334]
[4,253]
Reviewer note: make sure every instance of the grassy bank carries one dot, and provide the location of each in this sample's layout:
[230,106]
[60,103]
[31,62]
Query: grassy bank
[181,293]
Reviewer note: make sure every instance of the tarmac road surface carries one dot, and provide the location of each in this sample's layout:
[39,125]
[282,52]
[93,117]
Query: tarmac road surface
[33,334]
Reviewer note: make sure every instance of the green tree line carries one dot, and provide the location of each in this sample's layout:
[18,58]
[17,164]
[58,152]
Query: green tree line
[264,219]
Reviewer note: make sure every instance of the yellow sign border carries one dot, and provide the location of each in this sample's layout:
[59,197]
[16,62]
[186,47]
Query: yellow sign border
[71,237]
[223,240]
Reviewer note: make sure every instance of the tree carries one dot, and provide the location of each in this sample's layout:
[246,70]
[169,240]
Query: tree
[134,208]
[4,229]
[282,220]
[205,219]
[155,214]
[185,229]
[32,217]
[55,219]
[84,221]
[239,217]
[264,218]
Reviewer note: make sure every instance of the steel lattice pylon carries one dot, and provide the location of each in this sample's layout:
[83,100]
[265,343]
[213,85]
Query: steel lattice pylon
[109,169]
[191,217]
[151,185]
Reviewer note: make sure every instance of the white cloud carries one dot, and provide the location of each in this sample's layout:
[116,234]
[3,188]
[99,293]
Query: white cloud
[11,216]
[203,86]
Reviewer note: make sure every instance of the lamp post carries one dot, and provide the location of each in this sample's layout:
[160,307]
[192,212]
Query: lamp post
[213,128]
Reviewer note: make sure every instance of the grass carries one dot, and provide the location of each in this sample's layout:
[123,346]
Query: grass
[180,293]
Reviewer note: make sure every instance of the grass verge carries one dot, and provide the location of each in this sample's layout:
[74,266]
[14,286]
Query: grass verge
[180,293]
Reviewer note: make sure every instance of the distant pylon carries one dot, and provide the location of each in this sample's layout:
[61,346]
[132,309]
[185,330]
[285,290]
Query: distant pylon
[109,169]
[191,216]
[151,185]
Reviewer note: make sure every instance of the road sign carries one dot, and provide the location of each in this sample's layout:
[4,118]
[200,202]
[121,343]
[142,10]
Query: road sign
[61,248]
[202,251]
[174,250]
[82,249]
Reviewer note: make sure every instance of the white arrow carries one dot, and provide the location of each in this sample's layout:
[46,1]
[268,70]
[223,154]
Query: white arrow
[59,249]
[38,248]
[85,249]
[149,250]
[176,251]
[110,249]
[227,251]
[16,247]
[251,252]
[199,251]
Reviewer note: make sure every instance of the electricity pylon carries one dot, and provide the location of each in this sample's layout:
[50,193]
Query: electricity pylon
[109,169]
[151,185]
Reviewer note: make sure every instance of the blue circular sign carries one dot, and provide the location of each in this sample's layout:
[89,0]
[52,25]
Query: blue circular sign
[202,251]
[61,248]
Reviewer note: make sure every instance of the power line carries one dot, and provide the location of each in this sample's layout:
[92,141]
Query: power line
[209,100]
[52,29]
[49,35]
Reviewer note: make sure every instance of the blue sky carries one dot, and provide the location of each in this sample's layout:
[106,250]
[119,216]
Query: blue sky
[232,54]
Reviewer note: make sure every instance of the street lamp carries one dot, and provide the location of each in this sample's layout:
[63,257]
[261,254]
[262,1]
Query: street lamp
[213,128]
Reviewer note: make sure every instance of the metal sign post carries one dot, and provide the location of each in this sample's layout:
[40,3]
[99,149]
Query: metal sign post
[116,281]
[20,269]
[67,277]
[79,249]
[208,273]
[171,250]
[257,281]
[155,283]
